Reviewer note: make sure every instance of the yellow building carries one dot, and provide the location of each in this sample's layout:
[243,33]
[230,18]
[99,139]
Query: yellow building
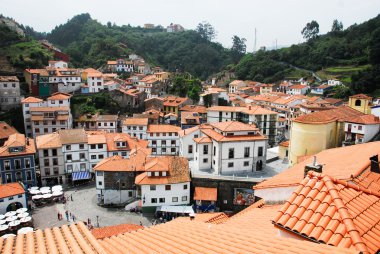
[283,150]
[315,132]
[267,88]
[162,76]
[172,104]
[360,102]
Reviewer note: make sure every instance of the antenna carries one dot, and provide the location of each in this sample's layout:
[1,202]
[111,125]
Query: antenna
[254,47]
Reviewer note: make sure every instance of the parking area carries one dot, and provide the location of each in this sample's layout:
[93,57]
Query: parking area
[84,206]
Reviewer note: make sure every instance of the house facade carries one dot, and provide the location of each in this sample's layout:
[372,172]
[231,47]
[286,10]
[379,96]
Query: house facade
[135,127]
[9,92]
[12,197]
[17,161]
[163,139]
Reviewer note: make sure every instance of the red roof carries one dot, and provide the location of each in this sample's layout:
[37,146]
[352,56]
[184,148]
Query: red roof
[6,130]
[364,119]
[206,194]
[333,212]
[104,232]
[11,189]
[326,116]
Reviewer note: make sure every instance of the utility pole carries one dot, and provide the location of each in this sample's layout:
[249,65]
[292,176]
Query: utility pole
[254,47]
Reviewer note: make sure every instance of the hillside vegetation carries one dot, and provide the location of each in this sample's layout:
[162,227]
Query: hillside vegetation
[351,51]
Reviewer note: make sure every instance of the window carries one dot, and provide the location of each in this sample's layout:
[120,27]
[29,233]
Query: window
[28,175]
[174,199]
[163,150]
[82,156]
[214,150]
[60,102]
[185,186]
[53,122]
[163,142]
[55,161]
[69,168]
[230,164]
[68,147]
[205,149]
[54,152]
[46,162]
[246,152]
[162,200]
[7,165]
[184,198]
[100,156]
[196,136]
[83,166]
[47,171]
[99,173]
[36,122]
[81,146]
[27,163]
[260,151]
[62,122]
[358,103]
[153,200]
[172,150]
[93,146]
[154,150]
[99,124]
[190,149]
[173,142]
[46,153]
[69,157]
[231,153]
[8,177]
[164,134]
[154,142]
[93,157]
[37,130]
[152,187]
[123,153]
[205,160]
[168,187]
[246,163]
[100,183]
[100,146]
[18,164]
[360,128]
[56,171]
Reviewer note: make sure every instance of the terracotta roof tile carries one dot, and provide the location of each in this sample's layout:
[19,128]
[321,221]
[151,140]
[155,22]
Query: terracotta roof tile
[51,140]
[333,212]
[335,163]
[284,143]
[173,101]
[109,231]
[339,114]
[213,218]
[18,140]
[203,140]
[136,121]
[11,189]
[361,96]
[31,100]
[206,194]
[163,128]
[6,130]
[234,126]
[364,119]
[194,108]
[59,96]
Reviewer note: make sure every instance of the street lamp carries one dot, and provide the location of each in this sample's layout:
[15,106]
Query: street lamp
[97,220]
[118,181]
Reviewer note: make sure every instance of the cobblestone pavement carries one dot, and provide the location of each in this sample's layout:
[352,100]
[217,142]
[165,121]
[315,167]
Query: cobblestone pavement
[84,206]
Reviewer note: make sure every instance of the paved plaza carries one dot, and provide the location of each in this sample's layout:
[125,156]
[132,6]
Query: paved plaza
[84,206]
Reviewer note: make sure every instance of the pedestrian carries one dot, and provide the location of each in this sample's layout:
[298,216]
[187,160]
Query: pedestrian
[73,218]
[58,216]
[140,223]
[70,215]
[67,215]
[71,197]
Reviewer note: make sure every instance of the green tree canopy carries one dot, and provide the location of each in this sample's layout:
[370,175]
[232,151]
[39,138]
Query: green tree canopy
[337,26]
[238,48]
[206,31]
[311,30]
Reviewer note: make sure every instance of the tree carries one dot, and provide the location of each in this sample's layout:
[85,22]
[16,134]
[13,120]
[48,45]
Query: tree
[206,31]
[311,30]
[337,26]
[341,91]
[238,48]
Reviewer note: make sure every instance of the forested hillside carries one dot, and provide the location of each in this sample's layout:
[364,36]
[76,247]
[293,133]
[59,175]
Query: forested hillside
[356,46]
[90,43]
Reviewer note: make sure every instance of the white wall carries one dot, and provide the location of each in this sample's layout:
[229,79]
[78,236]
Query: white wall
[184,143]
[177,190]
[370,131]
[167,139]
[137,131]
[279,194]
[7,201]
[115,196]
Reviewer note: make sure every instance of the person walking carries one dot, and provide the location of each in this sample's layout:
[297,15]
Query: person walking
[71,197]
[73,218]
[67,215]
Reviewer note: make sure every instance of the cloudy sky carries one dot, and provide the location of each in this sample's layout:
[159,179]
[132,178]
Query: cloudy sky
[273,19]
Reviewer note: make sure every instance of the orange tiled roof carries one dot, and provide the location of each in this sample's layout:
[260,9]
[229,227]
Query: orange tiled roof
[183,235]
[136,121]
[364,119]
[336,163]
[51,140]
[49,109]
[31,99]
[333,212]
[18,140]
[220,138]
[68,239]
[173,101]
[298,87]
[234,126]
[111,62]
[194,108]
[339,114]
[59,96]
[96,138]
[203,140]
[10,189]
[188,131]
[213,218]
[285,143]
[163,128]
[206,194]
[6,130]
[109,231]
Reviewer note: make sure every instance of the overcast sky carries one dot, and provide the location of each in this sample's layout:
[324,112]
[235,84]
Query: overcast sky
[274,19]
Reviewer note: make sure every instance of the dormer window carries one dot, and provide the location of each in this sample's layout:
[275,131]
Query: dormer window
[149,173]
[121,144]
[230,134]
[156,173]
[164,173]
[15,149]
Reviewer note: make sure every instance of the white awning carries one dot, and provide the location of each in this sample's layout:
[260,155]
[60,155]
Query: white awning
[175,209]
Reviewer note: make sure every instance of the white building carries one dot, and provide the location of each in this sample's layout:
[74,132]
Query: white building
[9,92]
[124,66]
[235,85]
[163,139]
[43,117]
[12,197]
[107,123]
[58,64]
[361,129]
[68,80]
[297,89]
[230,148]
[95,80]
[135,127]
[334,82]
[166,181]
[97,144]
[186,140]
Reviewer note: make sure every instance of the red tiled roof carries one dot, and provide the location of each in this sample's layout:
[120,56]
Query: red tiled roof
[364,119]
[203,140]
[234,126]
[333,212]
[361,96]
[194,108]
[18,140]
[340,163]
[163,128]
[136,121]
[31,100]
[339,114]
[206,194]
[109,231]
[6,130]
[284,143]
[11,189]
[59,96]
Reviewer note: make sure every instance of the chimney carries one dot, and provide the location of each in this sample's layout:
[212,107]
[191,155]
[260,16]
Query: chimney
[250,107]
[375,164]
[313,167]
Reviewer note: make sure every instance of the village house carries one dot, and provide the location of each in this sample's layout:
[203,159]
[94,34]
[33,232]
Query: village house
[163,139]
[266,120]
[12,197]
[42,117]
[186,140]
[111,65]
[189,119]
[162,76]
[230,148]
[9,92]
[58,64]
[360,102]
[67,80]
[212,95]
[205,199]
[17,161]
[235,85]
[135,127]
[201,110]
[172,104]
[321,90]
[124,66]
[268,88]
[166,181]
[151,86]
[297,89]
[5,131]
[89,122]
[94,80]
[130,98]
[97,148]
[361,129]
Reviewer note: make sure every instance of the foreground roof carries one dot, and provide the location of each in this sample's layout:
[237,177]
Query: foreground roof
[103,232]
[341,163]
[333,212]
